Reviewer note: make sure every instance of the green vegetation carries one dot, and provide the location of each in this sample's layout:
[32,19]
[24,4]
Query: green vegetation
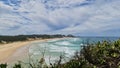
[8,39]
[104,54]
[99,55]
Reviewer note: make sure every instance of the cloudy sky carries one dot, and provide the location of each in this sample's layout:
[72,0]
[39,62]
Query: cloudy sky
[77,17]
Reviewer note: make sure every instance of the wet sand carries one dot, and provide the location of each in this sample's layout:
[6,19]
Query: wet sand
[12,51]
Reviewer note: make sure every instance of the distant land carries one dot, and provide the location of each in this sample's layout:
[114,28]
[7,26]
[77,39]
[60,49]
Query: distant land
[7,39]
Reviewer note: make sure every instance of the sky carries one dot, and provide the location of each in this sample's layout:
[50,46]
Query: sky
[77,17]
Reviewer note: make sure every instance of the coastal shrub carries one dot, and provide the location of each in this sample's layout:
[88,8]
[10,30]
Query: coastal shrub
[3,65]
[17,66]
[9,39]
[104,54]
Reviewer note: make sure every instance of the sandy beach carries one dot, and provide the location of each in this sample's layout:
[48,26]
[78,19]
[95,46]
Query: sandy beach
[12,51]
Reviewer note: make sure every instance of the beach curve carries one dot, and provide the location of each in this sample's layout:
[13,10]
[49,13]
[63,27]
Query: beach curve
[14,51]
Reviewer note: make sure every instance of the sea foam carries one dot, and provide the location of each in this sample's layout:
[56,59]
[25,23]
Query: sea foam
[55,48]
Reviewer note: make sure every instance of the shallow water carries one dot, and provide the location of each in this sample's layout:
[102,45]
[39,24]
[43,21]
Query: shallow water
[67,47]
[54,48]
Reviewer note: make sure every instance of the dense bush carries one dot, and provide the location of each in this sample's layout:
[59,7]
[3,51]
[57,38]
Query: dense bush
[9,39]
[103,55]
[98,55]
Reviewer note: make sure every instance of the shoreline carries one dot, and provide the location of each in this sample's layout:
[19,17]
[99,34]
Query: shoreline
[9,52]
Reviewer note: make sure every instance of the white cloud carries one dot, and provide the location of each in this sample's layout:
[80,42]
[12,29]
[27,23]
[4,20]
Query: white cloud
[68,17]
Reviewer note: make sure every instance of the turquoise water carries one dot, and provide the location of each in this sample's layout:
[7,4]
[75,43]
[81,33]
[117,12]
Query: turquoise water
[66,47]
[54,48]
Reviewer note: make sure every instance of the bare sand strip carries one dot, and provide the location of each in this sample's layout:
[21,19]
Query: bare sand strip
[12,51]
[7,50]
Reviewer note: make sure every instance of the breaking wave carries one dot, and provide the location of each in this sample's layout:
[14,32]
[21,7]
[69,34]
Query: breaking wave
[55,48]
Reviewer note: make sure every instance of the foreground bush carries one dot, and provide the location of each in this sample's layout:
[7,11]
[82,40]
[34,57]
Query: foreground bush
[98,55]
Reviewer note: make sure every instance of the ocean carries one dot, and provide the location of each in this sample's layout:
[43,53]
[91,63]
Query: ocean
[51,50]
